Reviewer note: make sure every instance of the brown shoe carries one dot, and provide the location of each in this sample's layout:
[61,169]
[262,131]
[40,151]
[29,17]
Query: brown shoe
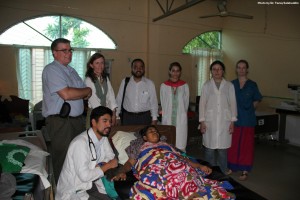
[243,176]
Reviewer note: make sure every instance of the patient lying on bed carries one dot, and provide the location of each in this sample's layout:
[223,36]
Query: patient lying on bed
[163,173]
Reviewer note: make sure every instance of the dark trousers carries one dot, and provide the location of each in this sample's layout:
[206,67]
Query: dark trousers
[143,118]
[95,194]
[61,132]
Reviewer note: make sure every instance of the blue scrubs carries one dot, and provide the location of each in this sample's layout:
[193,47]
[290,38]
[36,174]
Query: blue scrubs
[245,97]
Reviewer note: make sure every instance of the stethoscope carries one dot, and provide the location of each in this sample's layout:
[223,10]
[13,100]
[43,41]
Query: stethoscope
[92,147]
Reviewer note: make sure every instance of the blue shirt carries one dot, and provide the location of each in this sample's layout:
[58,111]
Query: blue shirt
[55,78]
[245,97]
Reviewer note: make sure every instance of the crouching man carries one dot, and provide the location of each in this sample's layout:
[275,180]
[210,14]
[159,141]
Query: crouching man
[89,157]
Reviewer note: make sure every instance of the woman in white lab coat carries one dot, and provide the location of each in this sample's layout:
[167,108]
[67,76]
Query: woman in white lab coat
[102,91]
[174,98]
[217,113]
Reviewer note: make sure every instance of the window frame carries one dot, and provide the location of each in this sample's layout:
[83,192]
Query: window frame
[29,72]
[204,55]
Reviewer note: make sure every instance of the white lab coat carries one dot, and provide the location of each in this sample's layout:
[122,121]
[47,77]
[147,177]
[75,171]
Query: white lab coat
[79,171]
[217,108]
[183,104]
[94,101]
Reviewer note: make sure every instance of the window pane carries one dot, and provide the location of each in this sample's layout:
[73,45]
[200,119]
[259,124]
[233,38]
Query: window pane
[41,31]
[21,34]
[40,25]
[211,40]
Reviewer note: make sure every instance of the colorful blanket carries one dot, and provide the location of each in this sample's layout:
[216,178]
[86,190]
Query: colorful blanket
[165,174]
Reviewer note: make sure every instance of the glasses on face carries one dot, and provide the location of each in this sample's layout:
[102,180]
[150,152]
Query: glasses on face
[65,51]
[92,147]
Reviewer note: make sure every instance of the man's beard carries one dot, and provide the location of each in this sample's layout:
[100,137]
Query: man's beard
[103,134]
[137,76]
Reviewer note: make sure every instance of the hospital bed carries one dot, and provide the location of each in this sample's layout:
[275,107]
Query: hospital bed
[35,178]
[123,187]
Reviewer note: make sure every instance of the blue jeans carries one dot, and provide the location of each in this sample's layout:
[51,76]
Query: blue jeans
[216,157]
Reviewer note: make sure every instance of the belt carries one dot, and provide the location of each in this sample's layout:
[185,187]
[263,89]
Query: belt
[70,117]
[137,113]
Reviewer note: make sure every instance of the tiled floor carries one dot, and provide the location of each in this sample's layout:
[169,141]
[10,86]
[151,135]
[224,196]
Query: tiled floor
[276,171]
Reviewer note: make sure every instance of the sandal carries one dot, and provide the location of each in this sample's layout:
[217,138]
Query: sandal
[244,176]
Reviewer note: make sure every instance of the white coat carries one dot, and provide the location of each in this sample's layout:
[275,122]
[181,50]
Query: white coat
[182,108]
[79,170]
[217,108]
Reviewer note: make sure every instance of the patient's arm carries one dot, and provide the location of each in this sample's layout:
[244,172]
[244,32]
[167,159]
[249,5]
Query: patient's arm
[203,168]
[125,168]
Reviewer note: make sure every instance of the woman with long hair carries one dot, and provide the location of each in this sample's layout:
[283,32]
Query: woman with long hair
[102,91]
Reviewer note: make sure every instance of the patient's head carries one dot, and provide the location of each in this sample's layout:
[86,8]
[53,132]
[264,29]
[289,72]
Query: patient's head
[150,134]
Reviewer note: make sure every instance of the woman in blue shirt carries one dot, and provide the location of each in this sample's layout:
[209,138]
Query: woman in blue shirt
[241,152]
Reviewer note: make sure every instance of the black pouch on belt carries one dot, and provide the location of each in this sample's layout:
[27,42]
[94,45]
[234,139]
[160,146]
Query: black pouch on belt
[65,110]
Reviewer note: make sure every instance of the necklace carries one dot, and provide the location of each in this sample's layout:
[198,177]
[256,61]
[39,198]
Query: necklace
[101,79]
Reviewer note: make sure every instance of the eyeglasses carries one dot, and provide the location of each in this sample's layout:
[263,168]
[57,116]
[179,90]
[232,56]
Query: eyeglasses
[66,50]
[92,147]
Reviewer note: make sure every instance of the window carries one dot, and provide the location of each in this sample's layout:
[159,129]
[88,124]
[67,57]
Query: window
[41,31]
[33,39]
[206,48]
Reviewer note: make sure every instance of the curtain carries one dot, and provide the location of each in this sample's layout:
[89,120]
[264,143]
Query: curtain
[48,57]
[204,57]
[24,73]
[79,60]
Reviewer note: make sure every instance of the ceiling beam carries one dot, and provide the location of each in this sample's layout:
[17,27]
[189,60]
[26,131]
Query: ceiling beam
[167,11]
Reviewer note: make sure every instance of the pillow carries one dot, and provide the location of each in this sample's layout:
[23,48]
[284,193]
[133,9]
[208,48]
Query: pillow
[133,150]
[33,148]
[35,163]
[121,141]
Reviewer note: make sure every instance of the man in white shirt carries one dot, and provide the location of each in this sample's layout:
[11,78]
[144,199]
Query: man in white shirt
[140,101]
[89,157]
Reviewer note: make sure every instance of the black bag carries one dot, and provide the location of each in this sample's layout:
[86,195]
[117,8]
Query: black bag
[65,110]
[122,108]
